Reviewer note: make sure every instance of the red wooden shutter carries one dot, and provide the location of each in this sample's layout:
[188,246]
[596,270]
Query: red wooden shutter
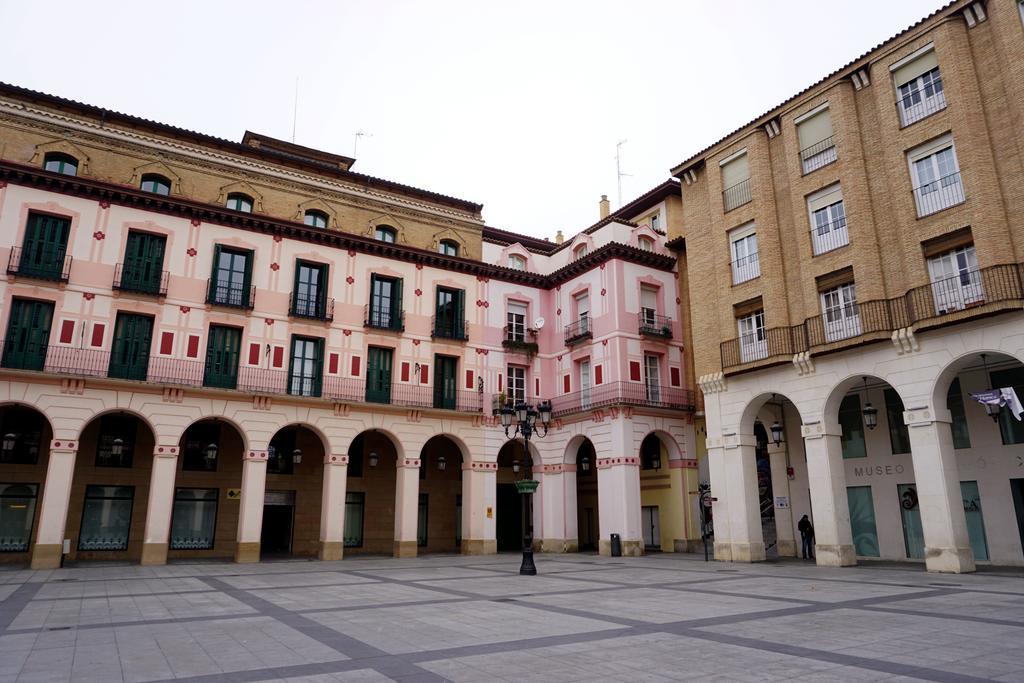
[97,333]
[499,382]
[536,386]
[193,346]
[469,379]
[424,375]
[598,374]
[278,356]
[67,331]
[254,354]
[634,370]
[332,364]
[355,366]
[405,371]
[566,384]
[674,374]
[166,343]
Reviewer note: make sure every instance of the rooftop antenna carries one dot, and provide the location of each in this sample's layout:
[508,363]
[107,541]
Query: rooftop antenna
[618,166]
[295,109]
[355,145]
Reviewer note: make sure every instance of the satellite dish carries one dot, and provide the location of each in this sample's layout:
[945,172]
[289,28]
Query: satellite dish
[538,323]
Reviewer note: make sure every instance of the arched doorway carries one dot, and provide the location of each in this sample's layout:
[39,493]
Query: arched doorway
[508,501]
[370,494]
[589,530]
[440,496]
[292,498]
[25,436]
[207,491]
[110,488]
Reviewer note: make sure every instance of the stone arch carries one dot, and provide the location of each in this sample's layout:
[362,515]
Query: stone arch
[835,396]
[29,406]
[755,404]
[669,442]
[219,418]
[572,449]
[517,451]
[940,387]
[158,436]
[396,443]
[241,187]
[64,146]
[459,444]
[324,441]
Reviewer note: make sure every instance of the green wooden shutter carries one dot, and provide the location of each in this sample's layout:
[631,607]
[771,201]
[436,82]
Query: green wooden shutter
[143,262]
[212,294]
[396,305]
[460,314]
[318,368]
[222,350]
[129,358]
[247,280]
[45,246]
[445,368]
[28,334]
[378,375]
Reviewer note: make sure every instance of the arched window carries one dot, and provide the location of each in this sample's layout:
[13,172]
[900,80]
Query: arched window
[240,202]
[646,243]
[650,453]
[315,219]
[385,233]
[157,184]
[580,251]
[516,262]
[60,163]
[449,247]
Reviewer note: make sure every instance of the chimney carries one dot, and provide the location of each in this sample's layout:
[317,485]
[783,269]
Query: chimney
[604,207]
[558,237]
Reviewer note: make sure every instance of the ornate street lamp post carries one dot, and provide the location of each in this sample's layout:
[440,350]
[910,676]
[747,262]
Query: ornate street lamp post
[526,426]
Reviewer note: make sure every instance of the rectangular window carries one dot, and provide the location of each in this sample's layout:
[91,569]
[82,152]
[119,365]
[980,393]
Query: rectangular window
[516,320]
[143,266]
[421,521]
[106,518]
[129,356]
[648,307]
[1010,429]
[753,342]
[355,505]
[44,249]
[745,263]
[840,313]
[652,377]
[17,512]
[115,446]
[862,521]
[516,384]
[305,372]
[583,312]
[194,519]
[231,282]
[817,144]
[735,181]
[222,351]
[828,220]
[899,434]
[28,334]
[655,222]
[975,520]
[309,297]
[385,311]
[852,427]
[450,317]
[584,366]
[378,374]
[919,86]
[955,404]
[935,172]
[956,280]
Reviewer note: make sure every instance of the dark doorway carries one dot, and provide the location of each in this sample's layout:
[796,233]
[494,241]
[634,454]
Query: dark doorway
[509,524]
[588,529]
[1017,489]
[278,517]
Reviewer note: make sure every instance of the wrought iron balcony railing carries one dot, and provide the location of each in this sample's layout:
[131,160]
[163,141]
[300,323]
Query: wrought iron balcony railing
[623,394]
[39,264]
[737,195]
[578,330]
[746,268]
[968,294]
[230,295]
[100,363]
[444,327]
[313,308]
[653,325]
[383,318]
[939,194]
[818,155]
[829,236]
[920,104]
[129,277]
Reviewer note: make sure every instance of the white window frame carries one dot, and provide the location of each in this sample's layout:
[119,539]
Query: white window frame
[645,243]
[582,303]
[515,317]
[585,383]
[652,377]
[516,262]
[752,336]
[515,381]
[824,156]
[935,173]
[956,280]
[828,223]
[579,251]
[648,315]
[921,97]
[840,314]
[655,218]
[743,248]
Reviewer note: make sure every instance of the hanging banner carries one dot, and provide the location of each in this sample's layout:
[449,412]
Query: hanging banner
[1001,397]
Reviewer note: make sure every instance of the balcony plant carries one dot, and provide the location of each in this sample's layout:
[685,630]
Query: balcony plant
[529,348]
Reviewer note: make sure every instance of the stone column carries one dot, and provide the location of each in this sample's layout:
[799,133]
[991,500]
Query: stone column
[407,506]
[737,483]
[479,495]
[785,538]
[250,512]
[551,507]
[332,507]
[618,504]
[826,477]
[160,505]
[572,523]
[720,505]
[683,474]
[947,545]
[53,511]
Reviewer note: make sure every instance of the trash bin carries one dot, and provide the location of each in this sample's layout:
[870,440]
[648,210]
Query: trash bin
[616,545]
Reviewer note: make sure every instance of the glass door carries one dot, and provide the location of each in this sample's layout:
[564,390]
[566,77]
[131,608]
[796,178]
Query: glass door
[309,290]
[305,373]
[862,521]
[444,382]
[129,358]
[651,527]
[842,317]
[378,375]
[585,383]
[975,521]
[143,263]
[652,377]
[231,278]
[222,357]
[28,334]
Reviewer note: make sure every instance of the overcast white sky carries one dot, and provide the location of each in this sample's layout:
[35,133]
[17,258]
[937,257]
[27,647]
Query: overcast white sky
[517,106]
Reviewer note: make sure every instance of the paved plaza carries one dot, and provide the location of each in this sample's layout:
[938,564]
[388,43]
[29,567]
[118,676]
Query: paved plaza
[446,617]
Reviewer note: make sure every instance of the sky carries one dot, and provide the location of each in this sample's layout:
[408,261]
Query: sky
[517,106]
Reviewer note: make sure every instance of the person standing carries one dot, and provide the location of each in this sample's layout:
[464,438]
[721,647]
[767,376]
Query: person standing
[806,530]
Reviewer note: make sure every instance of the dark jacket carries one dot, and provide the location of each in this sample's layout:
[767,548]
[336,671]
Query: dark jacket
[805,528]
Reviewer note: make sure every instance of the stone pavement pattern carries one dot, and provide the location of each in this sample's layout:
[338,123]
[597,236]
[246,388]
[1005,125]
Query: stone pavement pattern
[583,618]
